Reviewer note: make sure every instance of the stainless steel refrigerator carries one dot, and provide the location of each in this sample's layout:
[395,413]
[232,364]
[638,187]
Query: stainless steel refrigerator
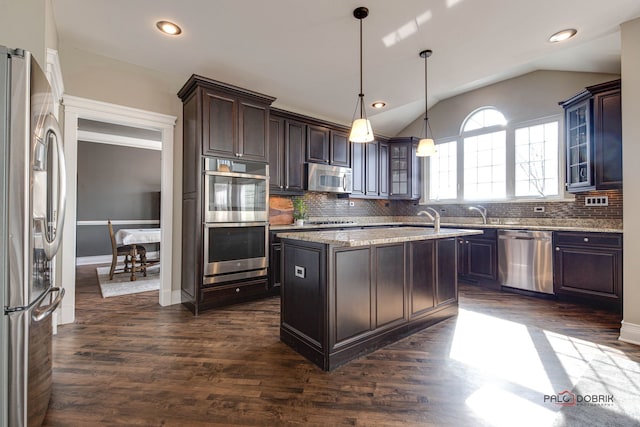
[32,199]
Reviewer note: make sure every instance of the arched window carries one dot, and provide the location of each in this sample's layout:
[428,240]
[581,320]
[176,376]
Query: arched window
[484,139]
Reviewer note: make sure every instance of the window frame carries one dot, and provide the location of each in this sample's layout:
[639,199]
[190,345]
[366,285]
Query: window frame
[510,129]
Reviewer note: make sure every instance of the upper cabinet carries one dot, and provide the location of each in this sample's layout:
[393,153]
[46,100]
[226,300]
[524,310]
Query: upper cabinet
[404,169]
[370,166]
[233,122]
[593,123]
[317,144]
[287,140]
[339,149]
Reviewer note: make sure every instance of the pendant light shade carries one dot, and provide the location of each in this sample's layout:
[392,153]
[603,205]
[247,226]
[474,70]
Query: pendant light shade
[361,130]
[426,146]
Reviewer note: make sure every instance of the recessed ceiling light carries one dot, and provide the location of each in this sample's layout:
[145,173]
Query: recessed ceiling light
[379,104]
[169,28]
[563,35]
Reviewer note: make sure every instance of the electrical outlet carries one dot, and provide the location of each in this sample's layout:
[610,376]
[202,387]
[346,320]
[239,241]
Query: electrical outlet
[596,201]
[352,203]
[538,209]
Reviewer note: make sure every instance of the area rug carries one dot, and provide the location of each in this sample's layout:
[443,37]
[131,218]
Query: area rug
[122,285]
[608,394]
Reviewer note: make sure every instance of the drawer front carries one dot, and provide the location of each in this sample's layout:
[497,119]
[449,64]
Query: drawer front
[613,240]
[489,233]
[236,290]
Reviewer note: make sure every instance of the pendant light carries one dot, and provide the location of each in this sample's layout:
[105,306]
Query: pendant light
[361,130]
[426,146]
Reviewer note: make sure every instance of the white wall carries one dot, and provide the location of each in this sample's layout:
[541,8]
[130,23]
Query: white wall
[99,78]
[527,97]
[29,25]
[631,178]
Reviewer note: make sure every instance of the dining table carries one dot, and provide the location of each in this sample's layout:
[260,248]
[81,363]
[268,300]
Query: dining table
[138,236]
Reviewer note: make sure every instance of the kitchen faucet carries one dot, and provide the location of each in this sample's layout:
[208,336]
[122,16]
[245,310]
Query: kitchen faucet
[482,210]
[435,218]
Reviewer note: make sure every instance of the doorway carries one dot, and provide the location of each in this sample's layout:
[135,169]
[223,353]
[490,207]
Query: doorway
[77,109]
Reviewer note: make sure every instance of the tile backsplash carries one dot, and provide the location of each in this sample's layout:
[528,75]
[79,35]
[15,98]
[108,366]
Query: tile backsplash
[329,205]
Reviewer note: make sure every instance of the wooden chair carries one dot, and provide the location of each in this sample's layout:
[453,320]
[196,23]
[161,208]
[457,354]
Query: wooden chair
[134,254]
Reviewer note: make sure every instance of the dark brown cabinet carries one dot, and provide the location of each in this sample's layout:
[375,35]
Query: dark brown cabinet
[234,125]
[358,162]
[383,169]
[593,129]
[432,274]
[317,144]
[220,120]
[340,150]
[370,166]
[404,169]
[286,155]
[588,267]
[374,295]
[372,169]
[477,257]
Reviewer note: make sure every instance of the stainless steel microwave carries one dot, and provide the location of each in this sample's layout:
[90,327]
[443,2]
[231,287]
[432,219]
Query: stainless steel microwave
[327,178]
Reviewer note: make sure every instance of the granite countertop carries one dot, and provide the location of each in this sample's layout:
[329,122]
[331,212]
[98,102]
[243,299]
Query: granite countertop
[375,236]
[503,224]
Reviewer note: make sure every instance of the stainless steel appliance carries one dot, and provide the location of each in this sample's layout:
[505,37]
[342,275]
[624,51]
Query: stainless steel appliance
[236,214]
[235,251]
[32,194]
[327,178]
[525,260]
[235,191]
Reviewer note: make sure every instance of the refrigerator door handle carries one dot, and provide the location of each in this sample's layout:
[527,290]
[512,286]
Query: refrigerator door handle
[51,128]
[41,313]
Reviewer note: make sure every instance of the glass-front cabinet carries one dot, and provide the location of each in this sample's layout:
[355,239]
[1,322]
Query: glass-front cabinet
[593,132]
[578,152]
[404,169]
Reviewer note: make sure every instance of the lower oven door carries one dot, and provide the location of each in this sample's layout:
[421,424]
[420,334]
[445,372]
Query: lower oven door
[235,251]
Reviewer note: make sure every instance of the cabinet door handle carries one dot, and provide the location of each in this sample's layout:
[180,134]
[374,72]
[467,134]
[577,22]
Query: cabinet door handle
[466,241]
[586,239]
[237,290]
[557,249]
[281,187]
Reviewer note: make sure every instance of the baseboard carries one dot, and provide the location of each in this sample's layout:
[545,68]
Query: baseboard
[630,332]
[106,259]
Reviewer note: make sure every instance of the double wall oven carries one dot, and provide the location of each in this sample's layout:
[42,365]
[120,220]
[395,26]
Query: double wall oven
[236,214]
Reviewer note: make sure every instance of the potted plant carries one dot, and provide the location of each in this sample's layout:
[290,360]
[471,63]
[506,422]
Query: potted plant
[299,210]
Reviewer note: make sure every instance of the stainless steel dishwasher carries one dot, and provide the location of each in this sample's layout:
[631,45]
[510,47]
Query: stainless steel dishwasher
[525,260]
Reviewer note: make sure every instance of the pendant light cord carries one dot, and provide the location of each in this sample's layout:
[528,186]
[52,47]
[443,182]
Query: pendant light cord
[427,127]
[361,95]
[426,100]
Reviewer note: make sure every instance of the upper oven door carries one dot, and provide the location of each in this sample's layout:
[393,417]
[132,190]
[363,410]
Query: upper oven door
[235,197]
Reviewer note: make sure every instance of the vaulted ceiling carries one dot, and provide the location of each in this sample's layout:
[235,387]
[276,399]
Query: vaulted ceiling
[305,52]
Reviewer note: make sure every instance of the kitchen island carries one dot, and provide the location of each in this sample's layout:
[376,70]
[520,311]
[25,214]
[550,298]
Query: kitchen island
[346,293]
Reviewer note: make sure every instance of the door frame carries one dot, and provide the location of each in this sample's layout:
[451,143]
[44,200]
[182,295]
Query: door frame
[81,108]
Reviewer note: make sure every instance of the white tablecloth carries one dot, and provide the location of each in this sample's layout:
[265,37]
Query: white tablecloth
[128,236]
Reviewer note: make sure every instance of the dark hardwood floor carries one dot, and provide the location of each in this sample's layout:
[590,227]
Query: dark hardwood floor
[127,361]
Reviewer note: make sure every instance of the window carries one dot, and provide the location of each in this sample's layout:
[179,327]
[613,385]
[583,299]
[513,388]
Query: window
[442,172]
[536,152]
[492,159]
[485,166]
